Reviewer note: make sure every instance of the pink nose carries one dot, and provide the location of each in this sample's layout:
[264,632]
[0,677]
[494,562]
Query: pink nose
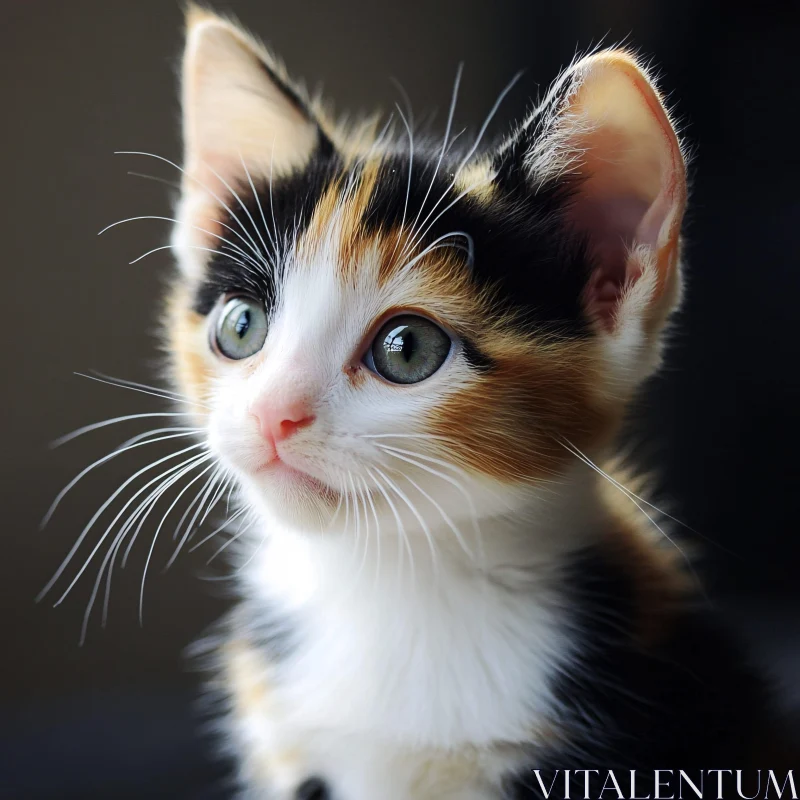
[279,421]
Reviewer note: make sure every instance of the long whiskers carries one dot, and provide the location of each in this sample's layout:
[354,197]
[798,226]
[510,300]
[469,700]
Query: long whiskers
[419,460]
[158,530]
[227,242]
[240,532]
[219,529]
[259,256]
[142,388]
[634,498]
[96,516]
[402,539]
[423,524]
[445,143]
[62,494]
[272,239]
[417,237]
[449,522]
[106,422]
[363,493]
[409,130]
[143,509]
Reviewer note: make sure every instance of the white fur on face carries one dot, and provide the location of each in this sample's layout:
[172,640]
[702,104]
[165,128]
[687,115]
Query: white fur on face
[317,331]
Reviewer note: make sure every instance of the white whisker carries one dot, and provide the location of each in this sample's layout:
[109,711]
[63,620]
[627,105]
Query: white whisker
[62,494]
[471,188]
[432,246]
[120,384]
[402,538]
[158,529]
[181,430]
[263,218]
[586,460]
[474,147]
[450,116]
[424,525]
[226,479]
[203,186]
[377,533]
[155,495]
[260,256]
[412,458]
[141,513]
[432,436]
[210,484]
[105,423]
[146,506]
[363,490]
[444,516]
[431,459]
[239,532]
[357,540]
[410,170]
[580,454]
[175,221]
[221,528]
[96,516]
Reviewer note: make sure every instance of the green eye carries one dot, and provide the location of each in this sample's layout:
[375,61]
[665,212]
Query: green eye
[241,328]
[408,349]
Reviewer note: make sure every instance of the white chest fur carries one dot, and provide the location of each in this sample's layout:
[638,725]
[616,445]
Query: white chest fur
[445,654]
[392,669]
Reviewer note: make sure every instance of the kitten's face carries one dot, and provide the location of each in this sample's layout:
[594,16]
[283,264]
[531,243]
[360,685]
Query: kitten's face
[418,339]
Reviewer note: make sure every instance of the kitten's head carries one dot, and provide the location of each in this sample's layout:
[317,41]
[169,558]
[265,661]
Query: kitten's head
[415,333]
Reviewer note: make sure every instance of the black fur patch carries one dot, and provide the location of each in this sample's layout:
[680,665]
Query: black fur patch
[325,145]
[690,703]
[521,248]
[263,227]
[312,789]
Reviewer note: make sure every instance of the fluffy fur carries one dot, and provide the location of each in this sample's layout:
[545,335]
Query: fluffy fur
[440,590]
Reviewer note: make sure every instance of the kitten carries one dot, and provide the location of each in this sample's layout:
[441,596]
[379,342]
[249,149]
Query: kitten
[410,360]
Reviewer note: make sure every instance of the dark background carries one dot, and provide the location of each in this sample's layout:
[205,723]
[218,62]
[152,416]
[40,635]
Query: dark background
[81,79]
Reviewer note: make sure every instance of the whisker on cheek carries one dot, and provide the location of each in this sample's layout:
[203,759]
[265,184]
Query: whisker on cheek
[424,525]
[84,533]
[402,536]
[119,451]
[249,241]
[219,529]
[239,533]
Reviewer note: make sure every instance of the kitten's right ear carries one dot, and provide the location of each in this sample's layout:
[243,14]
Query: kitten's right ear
[604,140]
[241,115]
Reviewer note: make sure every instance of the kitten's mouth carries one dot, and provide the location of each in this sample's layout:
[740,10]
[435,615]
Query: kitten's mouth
[291,476]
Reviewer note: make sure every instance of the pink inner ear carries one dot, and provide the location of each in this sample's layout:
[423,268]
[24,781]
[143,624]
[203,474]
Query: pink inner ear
[613,224]
[630,200]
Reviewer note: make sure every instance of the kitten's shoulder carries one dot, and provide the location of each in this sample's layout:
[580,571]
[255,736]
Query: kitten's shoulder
[659,681]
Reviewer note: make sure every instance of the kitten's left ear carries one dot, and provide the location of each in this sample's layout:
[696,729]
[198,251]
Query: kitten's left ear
[241,115]
[604,132]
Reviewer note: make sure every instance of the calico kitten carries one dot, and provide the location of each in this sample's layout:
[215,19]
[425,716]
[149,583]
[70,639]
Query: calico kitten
[411,359]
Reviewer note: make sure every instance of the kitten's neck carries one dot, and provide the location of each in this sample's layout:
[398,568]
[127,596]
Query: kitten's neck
[389,637]
[549,524]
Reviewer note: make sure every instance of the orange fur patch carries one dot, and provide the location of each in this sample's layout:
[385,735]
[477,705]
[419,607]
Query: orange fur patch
[510,423]
[246,678]
[193,364]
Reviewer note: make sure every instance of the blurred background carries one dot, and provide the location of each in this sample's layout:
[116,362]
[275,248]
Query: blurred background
[117,716]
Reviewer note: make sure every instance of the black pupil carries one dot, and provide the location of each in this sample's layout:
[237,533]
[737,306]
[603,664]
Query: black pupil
[242,324]
[401,340]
